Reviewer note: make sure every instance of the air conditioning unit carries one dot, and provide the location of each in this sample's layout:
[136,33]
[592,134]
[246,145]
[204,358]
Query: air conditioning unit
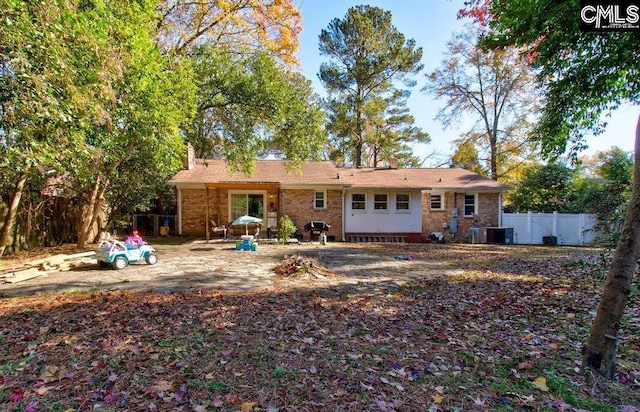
[496,235]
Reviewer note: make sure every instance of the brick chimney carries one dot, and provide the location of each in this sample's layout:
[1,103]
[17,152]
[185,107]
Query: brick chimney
[189,162]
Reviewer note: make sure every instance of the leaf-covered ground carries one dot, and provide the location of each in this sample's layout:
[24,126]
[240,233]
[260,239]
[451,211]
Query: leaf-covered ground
[503,333]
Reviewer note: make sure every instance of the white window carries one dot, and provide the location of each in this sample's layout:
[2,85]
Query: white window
[470,205]
[380,201]
[358,201]
[436,201]
[319,200]
[402,202]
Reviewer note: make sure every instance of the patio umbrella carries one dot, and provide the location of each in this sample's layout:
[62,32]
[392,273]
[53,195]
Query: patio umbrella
[245,220]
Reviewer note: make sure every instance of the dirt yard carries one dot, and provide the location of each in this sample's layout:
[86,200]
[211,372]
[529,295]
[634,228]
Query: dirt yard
[197,265]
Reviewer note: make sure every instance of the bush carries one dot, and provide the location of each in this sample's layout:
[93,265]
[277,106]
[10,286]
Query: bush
[287,229]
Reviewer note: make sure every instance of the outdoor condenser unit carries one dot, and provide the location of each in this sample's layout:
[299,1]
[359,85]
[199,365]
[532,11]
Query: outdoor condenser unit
[496,235]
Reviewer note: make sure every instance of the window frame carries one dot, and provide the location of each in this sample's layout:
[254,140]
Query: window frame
[441,201]
[324,200]
[465,204]
[364,202]
[376,202]
[408,202]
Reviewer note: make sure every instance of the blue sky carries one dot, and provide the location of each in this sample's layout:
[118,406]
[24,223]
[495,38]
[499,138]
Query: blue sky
[431,23]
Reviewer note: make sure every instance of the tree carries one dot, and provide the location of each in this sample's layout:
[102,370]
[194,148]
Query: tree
[543,189]
[607,188]
[149,100]
[494,87]
[242,26]
[583,74]
[387,132]
[52,82]
[466,157]
[368,54]
[249,106]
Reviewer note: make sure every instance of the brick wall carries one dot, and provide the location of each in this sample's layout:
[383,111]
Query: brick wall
[193,211]
[432,220]
[298,205]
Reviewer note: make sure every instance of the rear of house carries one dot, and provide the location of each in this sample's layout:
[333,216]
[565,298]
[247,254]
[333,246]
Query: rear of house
[414,203]
[358,204]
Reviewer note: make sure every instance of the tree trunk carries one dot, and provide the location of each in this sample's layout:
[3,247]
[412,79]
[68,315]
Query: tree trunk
[83,233]
[599,354]
[97,198]
[10,219]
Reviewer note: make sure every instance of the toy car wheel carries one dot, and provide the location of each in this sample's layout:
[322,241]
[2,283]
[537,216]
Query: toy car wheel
[103,264]
[151,259]
[119,263]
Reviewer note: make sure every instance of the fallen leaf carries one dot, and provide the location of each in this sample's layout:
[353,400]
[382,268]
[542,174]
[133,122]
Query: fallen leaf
[525,366]
[437,398]
[541,383]
[16,394]
[42,390]
[247,406]
[49,374]
[162,386]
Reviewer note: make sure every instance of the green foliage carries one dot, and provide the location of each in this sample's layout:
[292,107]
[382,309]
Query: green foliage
[543,188]
[287,229]
[602,188]
[368,56]
[248,106]
[583,74]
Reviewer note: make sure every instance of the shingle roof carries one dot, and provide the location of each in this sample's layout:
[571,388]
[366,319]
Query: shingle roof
[326,174]
[266,171]
[420,178]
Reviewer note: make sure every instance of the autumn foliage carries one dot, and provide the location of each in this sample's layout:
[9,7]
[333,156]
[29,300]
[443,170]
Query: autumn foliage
[499,332]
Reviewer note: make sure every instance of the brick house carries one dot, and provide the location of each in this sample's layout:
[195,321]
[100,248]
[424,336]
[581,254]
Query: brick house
[358,204]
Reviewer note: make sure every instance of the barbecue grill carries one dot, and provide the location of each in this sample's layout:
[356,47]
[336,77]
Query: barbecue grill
[316,228]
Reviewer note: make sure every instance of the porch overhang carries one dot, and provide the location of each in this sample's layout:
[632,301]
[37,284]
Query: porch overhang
[236,185]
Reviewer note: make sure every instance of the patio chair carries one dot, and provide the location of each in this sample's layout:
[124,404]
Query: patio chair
[216,229]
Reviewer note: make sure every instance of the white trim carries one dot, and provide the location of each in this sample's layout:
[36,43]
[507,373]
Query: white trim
[364,201]
[249,192]
[324,199]
[464,205]
[386,209]
[395,206]
[442,201]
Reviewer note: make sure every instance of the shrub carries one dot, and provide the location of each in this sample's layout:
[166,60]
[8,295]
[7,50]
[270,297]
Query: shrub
[287,229]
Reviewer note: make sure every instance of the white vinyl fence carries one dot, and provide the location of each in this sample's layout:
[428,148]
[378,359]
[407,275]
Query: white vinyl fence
[569,229]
